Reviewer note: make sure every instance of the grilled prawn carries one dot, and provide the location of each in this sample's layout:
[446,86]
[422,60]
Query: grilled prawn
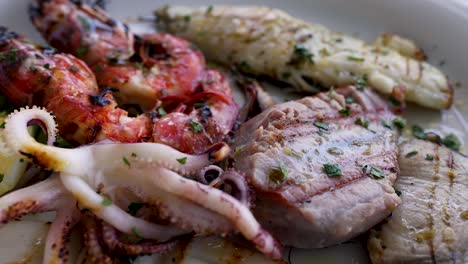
[34,75]
[265,41]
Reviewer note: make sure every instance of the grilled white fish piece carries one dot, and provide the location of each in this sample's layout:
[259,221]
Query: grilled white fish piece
[431,224]
[322,167]
[269,42]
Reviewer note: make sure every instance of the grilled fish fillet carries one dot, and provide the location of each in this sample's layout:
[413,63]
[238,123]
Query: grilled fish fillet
[284,152]
[431,224]
[266,41]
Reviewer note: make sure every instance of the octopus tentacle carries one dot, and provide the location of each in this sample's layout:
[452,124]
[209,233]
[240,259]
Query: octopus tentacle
[89,158]
[41,197]
[223,204]
[189,215]
[56,248]
[114,215]
[115,245]
[95,252]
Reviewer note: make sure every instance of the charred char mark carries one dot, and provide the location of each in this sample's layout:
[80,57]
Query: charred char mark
[205,114]
[100,99]
[6,35]
[31,157]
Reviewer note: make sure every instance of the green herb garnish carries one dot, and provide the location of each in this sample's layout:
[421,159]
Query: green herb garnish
[278,174]
[126,162]
[182,160]
[321,125]
[292,153]
[47,66]
[398,192]
[373,172]
[418,132]
[395,101]
[361,82]
[244,67]
[197,128]
[82,50]
[344,111]
[411,154]
[84,22]
[136,232]
[429,157]
[361,121]
[399,122]
[357,59]
[452,142]
[302,54]
[387,124]
[106,201]
[161,112]
[332,170]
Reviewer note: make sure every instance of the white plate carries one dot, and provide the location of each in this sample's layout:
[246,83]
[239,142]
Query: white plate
[438,26]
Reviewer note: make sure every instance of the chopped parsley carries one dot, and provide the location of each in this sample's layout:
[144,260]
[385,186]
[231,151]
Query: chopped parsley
[399,122]
[387,124]
[344,111]
[361,121]
[187,18]
[161,112]
[133,208]
[353,58]
[198,105]
[136,232]
[373,172]
[361,82]
[126,162]
[418,132]
[244,67]
[278,174]
[62,143]
[84,22]
[429,157]
[47,66]
[134,155]
[197,128]
[394,101]
[321,125]
[106,201]
[182,160]
[411,154]
[302,54]
[452,142]
[332,170]
[82,50]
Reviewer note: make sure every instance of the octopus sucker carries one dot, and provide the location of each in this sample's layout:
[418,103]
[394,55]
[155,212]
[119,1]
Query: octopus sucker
[114,244]
[156,175]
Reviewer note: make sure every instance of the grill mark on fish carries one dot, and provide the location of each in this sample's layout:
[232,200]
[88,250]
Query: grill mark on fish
[447,218]
[345,182]
[430,241]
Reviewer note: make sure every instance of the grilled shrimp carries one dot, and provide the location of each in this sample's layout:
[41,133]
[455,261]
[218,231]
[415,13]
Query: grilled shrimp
[191,107]
[265,41]
[35,75]
[142,68]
